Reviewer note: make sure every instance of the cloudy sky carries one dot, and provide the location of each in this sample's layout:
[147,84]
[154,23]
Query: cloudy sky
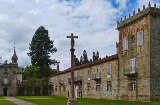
[93,21]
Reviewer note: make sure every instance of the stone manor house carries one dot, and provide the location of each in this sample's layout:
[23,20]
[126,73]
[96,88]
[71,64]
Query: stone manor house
[131,74]
[9,76]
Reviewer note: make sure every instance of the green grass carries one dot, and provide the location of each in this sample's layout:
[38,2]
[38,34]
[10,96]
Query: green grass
[55,100]
[3,101]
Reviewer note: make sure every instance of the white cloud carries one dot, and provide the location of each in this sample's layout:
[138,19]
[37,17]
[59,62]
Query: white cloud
[94,21]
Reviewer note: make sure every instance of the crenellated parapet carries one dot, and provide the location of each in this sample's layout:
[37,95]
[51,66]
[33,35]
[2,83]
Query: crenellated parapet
[152,11]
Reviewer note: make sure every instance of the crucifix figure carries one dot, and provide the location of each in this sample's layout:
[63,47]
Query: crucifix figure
[72,101]
[72,39]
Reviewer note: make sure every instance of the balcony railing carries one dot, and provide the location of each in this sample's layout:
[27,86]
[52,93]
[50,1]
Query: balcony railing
[78,78]
[60,82]
[131,72]
[96,76]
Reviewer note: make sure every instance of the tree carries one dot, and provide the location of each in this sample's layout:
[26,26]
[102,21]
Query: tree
[94,56]
[81,60]
[76,61]
[85,58]
[30,72]
[97,55]
[40,49]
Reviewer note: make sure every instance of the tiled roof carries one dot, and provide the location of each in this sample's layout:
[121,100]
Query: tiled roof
[106,59]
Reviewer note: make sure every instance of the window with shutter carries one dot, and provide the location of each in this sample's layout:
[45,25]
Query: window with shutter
[89,74]
[132,65]
[132,85]
[109,70]
[140,38]
[125,43]
[98,72]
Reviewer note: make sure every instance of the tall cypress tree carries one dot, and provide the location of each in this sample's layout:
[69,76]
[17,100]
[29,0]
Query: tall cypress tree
[85,58]
[40,49]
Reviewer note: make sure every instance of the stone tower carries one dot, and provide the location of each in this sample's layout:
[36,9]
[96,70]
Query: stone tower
[14,57]
[139,55]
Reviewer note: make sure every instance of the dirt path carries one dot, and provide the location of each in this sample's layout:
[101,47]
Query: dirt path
[18,101]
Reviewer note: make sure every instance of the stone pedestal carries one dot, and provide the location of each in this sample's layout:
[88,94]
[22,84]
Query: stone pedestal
[72,101]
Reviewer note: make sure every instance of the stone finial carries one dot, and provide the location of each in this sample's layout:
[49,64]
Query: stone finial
[125,17]
[138,9]
[154,5]
[133,12]
[117,22]
[149,5]
[121,19]
[143,7]
[129,15]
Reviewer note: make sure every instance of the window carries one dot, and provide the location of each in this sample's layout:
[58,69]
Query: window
[88,87]
[59,88]
[140,38]
[98,73]
[125,43]
[55,88]
[76,74]
[132,65]
[132,85]
[109,70]
[64,88]
[109,86]
[98,88]
[89,74]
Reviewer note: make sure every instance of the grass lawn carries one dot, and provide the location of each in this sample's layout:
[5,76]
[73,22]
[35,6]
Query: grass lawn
[3,101]
[55,100]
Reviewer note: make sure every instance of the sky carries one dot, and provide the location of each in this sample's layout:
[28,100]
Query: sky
[93,21]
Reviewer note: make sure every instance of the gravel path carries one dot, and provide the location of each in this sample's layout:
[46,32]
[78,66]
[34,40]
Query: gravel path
[18,101]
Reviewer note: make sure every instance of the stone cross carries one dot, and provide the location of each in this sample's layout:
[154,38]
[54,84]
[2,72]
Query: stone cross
[72,101]
[72,39]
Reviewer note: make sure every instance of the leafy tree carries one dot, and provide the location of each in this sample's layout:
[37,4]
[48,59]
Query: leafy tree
[85,58]
[30,72]
[40,49]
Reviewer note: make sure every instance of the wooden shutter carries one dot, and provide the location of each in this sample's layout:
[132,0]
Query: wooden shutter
[109,70]
[126,42]
[131,60]
[141,37]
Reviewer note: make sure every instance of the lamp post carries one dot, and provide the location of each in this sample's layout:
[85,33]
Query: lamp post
[72,100]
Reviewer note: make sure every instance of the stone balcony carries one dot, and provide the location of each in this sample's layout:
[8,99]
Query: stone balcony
[96,77]
[131,72]
[78,79]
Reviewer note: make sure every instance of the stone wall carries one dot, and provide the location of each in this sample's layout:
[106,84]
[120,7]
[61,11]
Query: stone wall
[61,81]
[155,54]
[141,53]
